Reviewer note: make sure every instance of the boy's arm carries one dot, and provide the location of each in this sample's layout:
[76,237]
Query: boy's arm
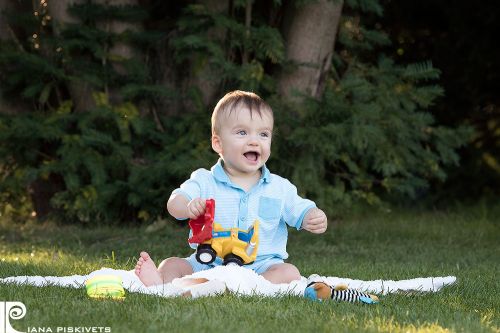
[315,221]
[181,208]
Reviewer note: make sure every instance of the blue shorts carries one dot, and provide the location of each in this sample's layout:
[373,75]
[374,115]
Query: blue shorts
[258,266]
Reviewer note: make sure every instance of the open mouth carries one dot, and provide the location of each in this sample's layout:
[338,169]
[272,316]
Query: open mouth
[252,156]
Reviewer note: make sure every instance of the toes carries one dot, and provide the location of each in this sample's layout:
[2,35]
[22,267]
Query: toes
[139,263]
[145,256]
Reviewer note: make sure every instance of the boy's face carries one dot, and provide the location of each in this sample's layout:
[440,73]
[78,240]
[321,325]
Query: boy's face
[244,140]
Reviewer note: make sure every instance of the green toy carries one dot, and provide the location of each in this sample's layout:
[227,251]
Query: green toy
[105,286]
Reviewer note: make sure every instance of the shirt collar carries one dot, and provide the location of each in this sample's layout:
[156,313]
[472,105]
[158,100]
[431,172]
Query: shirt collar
[221,175]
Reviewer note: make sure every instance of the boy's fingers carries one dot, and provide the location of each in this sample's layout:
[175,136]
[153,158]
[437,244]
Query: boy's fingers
[316,226]
[199,206]
[319,231]
[312,226]
[194,210]
[316,221]
[315,230]
[317,215]
[199,210]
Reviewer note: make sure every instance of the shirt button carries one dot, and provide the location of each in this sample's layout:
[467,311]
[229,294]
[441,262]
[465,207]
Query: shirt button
[244,200]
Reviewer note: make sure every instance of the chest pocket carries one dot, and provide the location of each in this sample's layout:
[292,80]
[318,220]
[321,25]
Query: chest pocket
[269,208]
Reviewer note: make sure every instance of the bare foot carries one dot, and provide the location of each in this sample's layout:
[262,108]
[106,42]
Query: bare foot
[146,271]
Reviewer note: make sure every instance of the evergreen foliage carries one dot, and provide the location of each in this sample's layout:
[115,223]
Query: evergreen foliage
[462,42]
[222,42]
[369,133]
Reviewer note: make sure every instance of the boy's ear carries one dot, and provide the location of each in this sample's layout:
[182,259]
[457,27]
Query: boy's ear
[216,144]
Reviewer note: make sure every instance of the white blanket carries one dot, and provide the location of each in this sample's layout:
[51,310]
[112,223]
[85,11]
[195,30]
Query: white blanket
[238,280]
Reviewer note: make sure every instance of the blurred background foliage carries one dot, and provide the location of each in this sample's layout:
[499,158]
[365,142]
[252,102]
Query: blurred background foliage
[105,105]
[461,41]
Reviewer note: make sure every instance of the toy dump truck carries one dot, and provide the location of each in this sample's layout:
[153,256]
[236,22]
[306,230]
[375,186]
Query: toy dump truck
[235,246]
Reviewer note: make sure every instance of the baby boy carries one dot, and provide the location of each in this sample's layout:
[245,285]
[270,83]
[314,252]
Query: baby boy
[244,191]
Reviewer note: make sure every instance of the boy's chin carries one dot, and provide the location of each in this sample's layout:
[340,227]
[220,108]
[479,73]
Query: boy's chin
[244,168]
[251,168]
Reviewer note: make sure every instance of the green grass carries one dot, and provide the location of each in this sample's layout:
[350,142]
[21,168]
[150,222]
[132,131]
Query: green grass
[379,245]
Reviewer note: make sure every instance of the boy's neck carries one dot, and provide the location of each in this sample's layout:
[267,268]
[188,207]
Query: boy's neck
[245,180]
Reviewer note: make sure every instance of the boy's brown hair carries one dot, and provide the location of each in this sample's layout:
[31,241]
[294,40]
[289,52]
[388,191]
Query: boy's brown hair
[238,99]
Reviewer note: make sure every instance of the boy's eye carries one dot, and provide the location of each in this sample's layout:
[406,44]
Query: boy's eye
[242,132]
[264,134]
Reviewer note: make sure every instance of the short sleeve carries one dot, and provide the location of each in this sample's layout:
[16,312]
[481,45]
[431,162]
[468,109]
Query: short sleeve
[192,187]
[295,207]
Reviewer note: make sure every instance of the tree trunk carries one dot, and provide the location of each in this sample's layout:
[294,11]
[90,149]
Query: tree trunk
[120,50]
[207,78]
[309,31]
[4,27]
[7,33]
[81,91]
[41,192]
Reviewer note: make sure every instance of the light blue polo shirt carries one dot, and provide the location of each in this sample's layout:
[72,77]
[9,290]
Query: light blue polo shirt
[273,201]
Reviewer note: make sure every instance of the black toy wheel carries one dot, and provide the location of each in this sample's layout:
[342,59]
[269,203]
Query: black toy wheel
[205,254]
[232,259]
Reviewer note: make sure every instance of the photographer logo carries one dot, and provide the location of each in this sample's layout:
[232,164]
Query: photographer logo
[8,311]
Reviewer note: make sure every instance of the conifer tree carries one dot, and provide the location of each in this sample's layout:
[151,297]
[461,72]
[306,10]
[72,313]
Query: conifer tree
[112,102]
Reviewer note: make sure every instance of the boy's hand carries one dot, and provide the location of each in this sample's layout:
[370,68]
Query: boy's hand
[196,208]
[315,221]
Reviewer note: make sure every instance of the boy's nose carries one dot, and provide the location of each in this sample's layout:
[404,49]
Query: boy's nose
[252,140]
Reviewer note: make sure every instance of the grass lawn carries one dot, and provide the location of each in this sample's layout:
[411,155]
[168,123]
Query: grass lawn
[368,246]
